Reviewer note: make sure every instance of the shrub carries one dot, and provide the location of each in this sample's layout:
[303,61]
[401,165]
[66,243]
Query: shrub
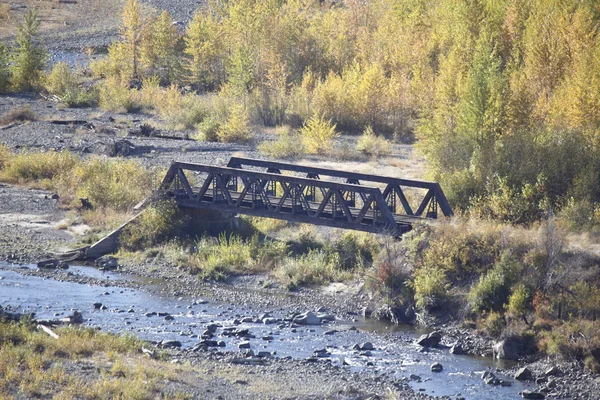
[155,225]
[207,129]
[493,289]
[493,324]
[108,183]
[431,288]
[38,167]
[287,145]
[317,134]
[4,67]
[29,58]
[5,12]
[181,111]
[114,95]
[373,145]
[519,302]
[313,268]
[18,114]
[236,128]
[63,83]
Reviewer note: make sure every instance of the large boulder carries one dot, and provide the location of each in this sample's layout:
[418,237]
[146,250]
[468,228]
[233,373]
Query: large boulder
[430,340]
[524,374]
[308,318]
[51,263]
[530,394]
[107,262]
[508,349]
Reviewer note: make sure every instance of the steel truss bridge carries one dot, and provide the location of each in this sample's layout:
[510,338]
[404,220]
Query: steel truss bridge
[306,194]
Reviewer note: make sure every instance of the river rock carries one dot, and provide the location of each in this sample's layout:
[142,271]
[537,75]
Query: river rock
[456,349]
[414,377]
[270,320]
[51,263]
[307,319]
[63,265]
[321,353]
[170,344]
[326,317]
[212,327]
[553,371]
[97,306]
[367,346]
[436,367]
[169,318]
[507,349]
[524,374]
[430,340]
[107,262]
[530,394]
[244,345]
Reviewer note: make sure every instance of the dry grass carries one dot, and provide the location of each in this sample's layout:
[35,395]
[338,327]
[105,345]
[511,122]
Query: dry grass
[18,114]
[34,365]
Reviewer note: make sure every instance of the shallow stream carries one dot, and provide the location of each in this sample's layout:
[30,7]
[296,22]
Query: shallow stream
[395,352]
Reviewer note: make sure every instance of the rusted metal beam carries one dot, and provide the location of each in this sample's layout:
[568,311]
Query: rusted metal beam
[434,187]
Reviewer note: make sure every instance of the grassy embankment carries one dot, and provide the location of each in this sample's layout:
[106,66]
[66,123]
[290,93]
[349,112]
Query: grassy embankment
[81,363]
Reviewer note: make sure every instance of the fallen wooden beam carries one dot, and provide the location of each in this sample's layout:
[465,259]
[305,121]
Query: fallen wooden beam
[48,331]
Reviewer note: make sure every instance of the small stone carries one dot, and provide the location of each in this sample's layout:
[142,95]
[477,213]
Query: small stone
[553,371]
[436,367]
[267,338]
[97,305]
[530,394]
[331,332]
[170,344]
[269,320]
[367,346]
[414,377]
[244,345]
[169,318]
[240,382]
[456,349]
[524,374]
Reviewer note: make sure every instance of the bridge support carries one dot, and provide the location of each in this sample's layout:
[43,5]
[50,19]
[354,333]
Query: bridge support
[212,222]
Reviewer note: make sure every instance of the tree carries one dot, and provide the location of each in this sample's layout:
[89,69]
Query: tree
[4,70]
[159,48]
[130,33]
[29,57]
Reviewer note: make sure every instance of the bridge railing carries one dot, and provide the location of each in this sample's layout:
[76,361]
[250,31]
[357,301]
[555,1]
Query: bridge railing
[276,195]
[393,193]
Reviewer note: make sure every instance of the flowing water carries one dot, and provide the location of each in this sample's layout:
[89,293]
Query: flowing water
[394,354]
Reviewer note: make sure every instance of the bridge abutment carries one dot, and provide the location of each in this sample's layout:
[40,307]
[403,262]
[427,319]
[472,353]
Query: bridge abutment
[211,222]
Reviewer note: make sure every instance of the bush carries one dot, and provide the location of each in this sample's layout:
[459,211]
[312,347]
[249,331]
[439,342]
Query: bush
[108,183]
[373,145]
[287,145]
[114,95]
[38,167]
[4,67]
[313,268]
[18,114]
[179,110]
[431,288]
[63,83]
[155,225]
[236,128]
[493,289]
[317,134]
[493,324]
[29,59]
[207,129]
